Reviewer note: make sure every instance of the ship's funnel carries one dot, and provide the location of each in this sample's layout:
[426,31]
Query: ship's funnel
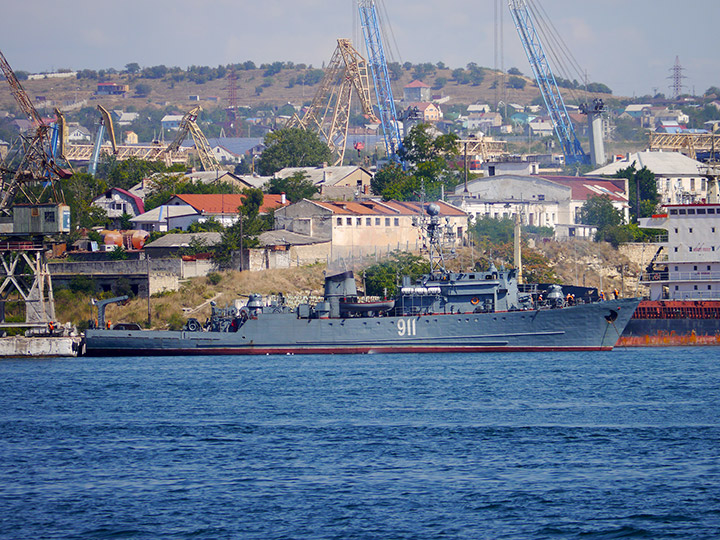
[342,284]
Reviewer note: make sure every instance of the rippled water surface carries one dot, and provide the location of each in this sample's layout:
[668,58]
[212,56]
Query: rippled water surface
[623,444]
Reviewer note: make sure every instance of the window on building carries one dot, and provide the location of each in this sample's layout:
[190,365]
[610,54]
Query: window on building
[49,217]
[695,268]
[676,250]
[708,267]
[348,221]
[377,221]
[673,212]
[692,184]
[676,230]
[711,210]
[691,211]
[339,221]
[397,222]
[358,221]
[690,248]
[690,230]
[387,221]
[695,287]
[368,221]
[676,268]
[709,287]
[701,211]
[676,287]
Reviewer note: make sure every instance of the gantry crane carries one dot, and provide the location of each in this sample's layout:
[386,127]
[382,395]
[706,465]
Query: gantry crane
[381,78]
[189,125]
[564,129]
[329,112]
[23,266]
[37,164]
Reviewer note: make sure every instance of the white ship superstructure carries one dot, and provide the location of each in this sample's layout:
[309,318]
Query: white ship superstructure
[687,263]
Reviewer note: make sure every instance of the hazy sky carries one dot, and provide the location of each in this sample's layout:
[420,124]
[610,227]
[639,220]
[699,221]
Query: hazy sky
[630,45]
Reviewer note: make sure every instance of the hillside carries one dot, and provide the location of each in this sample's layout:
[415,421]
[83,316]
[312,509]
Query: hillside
[254,88]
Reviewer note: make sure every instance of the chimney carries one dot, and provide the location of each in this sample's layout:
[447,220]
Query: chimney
[283,200]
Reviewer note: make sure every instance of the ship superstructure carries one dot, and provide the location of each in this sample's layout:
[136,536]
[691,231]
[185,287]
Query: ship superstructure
[683,278]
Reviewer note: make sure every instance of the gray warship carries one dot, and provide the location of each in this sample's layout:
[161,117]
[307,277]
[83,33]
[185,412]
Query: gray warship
[442,311]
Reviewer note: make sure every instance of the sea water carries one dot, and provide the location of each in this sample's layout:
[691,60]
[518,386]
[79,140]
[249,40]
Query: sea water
[623,444]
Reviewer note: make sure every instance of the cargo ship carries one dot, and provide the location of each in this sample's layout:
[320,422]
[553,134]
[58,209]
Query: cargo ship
[441,311]
[683,277]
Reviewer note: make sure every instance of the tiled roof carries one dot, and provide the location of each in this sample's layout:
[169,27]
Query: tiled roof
[398,208]
[227,203]
[583,187]
[417,84]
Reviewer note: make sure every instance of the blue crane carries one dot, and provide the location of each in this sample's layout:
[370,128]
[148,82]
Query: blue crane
[381,78]
[554,103]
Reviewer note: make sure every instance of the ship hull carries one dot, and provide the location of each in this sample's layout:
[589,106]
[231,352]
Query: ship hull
[673,323]
[582,328]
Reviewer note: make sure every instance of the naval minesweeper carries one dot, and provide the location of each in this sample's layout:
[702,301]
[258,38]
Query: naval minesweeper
[442,311]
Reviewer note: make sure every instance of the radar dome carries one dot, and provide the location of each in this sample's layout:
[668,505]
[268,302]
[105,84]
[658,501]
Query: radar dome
[433,209]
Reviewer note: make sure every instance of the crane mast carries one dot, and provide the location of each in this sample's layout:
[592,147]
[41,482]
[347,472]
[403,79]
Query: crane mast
[554,103]
[381,78]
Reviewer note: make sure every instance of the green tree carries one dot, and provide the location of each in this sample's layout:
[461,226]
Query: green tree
[127,173]
[132,67]
[142,89]
[642,191]
[80,190]
[242,234]
[600,212]
[295,187]
[292,147]
[386,275]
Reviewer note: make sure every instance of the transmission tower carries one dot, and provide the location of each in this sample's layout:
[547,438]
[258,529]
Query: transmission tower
[329,112]
[233,129]
[676,76]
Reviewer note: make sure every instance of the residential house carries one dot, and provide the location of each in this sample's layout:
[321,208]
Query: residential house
[426,112]
[171,121]
[235,149]
[78,134]
[541,127]
[122,118]
[118,202]
[679,179]
[183,210]
[362,228]
[416,91]
[111,89]
[342,182]
[543,201]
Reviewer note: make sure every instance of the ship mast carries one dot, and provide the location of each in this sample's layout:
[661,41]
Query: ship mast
[438,237]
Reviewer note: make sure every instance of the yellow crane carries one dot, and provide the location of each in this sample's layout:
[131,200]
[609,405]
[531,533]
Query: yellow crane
[189,125]
[329,111]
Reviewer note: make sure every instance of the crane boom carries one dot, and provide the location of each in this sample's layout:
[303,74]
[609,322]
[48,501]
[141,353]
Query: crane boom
[37,164]
[381,78]
[189,125]
[329,111]
[545,78]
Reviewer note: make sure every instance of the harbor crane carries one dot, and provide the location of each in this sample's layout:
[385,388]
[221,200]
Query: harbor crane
[381,78]
[329,111]
[37,166]
[554,103]
[189,125]
[106,125]
[24,274]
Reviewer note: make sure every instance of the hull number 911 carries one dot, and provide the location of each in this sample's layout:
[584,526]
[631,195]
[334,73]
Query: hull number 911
[406,327]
